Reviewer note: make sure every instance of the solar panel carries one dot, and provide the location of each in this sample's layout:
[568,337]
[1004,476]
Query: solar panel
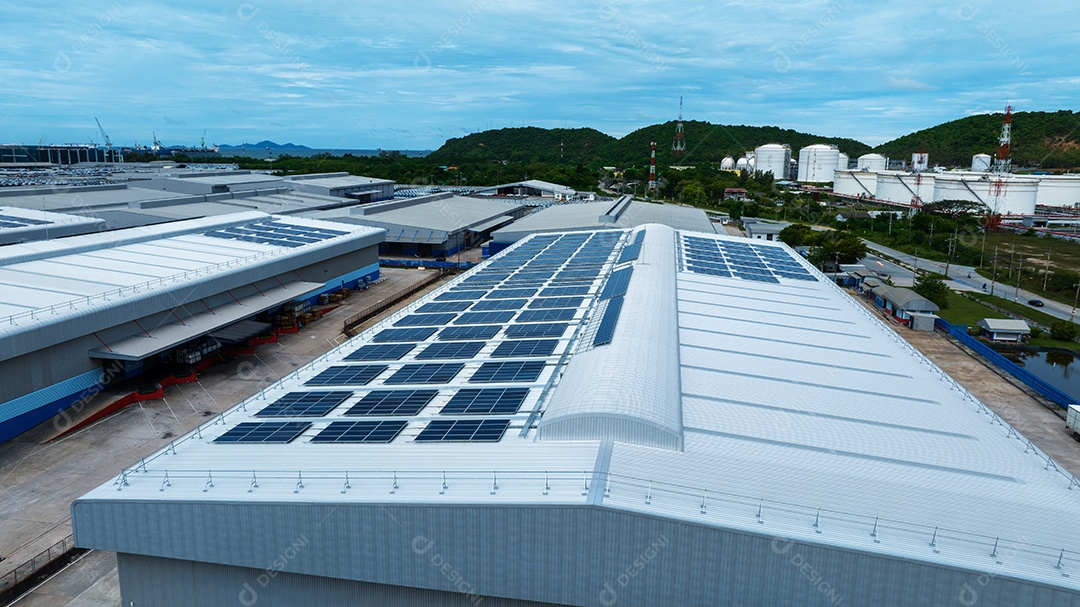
[352,375]
[499,304]
[556,302]
[360,432]
[469,332]
[511,293]
[509,371]
[304,404]
[391,335]
[606,330]
[484,401]
[617,283]
[525,347]
[432,373]
[549,315]
[463,430]
[420,320]
[451,349]
[263,432]
[536,330]
[483,318]
[461,295]
[444,306]
[381,352]
[629,253]
[393,402]
[562,291]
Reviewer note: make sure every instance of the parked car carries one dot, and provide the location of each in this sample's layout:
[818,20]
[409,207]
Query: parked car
[1038,303]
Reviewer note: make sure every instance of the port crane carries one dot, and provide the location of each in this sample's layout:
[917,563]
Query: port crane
[108,142]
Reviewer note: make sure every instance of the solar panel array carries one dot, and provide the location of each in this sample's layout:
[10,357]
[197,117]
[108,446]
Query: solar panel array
[528,301]
[276,233]
[10,221]
[733,259]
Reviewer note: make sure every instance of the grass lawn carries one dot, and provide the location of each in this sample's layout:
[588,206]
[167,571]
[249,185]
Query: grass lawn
[1018,309]
[1046,342]
[963,311]
[1064,254]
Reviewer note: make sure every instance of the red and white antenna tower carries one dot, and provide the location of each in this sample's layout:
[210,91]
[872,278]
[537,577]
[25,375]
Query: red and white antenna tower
[652,168]
[678,147]
[1003,163]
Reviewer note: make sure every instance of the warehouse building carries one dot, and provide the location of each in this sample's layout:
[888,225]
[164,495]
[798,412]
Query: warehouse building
[343,185]
[635,417]
[77,313]
[623,212]
[530,188]
[435,225]
[21,225]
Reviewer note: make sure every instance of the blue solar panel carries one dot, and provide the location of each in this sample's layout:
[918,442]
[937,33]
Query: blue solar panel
[451,349]
[263,432]
[360,432]
[556,302]
[617,283]
[629,253]
[22,221]
[461,295]
[469,332]
[304,404]
[509,371]
[511,293]
[381,352]
[425,320]
[463,430]
[444,306]
[562,291]
[393,402]
[392,335]
[352,375]
[486,401]
[483,318]
[606,330]
[548,315]
[432,373]
[525,347]
[498,304]
[536,330]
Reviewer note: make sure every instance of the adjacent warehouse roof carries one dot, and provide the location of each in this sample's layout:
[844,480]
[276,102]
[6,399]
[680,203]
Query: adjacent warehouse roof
[622,213]
[905,299]
[429,218]
[529,187]
[56,290]
[710,407]
[343,184]
[19,225]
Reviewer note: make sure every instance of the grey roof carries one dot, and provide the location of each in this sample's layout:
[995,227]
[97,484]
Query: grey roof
[766,403]
[1005,325]
[905,299]
[338,180]
[536,184]
[438,213]
[597,215]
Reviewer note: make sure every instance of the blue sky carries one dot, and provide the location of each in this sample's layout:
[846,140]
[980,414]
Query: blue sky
[409,75]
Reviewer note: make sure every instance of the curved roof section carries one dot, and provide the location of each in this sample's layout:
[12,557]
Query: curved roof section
[628,391]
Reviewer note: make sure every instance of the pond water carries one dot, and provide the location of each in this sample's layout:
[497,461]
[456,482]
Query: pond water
[1057,368]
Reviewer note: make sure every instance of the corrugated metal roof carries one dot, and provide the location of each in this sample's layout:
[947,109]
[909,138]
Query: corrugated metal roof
[795,406]
[1005,324]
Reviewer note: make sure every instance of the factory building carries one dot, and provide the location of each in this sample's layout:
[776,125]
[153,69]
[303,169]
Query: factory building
[80,312]
[21,225]
[343,185]
[622,213]
[773,158]
[56,154]
[635,417]
[529,187]
[436,225]
[212,182]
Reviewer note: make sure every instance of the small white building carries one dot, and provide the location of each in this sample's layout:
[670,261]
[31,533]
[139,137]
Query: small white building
[1004,329]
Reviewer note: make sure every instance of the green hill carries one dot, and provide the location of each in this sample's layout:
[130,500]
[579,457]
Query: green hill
[528,144]
[1039,139]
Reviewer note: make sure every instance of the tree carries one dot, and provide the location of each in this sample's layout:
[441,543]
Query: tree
[836,248]
[797,235]
[933,288]
[1063,330]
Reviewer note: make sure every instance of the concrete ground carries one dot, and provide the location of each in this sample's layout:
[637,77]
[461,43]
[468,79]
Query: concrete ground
[39,480]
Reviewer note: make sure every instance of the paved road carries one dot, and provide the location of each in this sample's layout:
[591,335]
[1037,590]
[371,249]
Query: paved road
[959,276]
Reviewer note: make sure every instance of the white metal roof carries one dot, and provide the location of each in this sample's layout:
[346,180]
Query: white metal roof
[1005,325]
[798,413]
[439,213]
[589,216]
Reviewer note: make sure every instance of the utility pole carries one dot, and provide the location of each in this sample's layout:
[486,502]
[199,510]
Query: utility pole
[993,280]
[1019,276]
[1046,270]
[982,253]
[1072,314]
[952,244]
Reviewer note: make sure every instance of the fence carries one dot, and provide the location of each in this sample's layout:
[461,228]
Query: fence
[384,304]
[959,332]
[30,568]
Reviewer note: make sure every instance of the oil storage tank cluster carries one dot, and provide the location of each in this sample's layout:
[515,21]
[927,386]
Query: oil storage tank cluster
[773,158]
[818,162]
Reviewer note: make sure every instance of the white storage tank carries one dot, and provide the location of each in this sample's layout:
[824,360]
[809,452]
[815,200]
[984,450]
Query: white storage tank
[980,163]
[872,162]
[855,183]
[752,162]
[1058,190]
[727,164]
[818,162]
[1016,196]
[743,164]
[842,161]
[903,187]
[920,161]
[772,158]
